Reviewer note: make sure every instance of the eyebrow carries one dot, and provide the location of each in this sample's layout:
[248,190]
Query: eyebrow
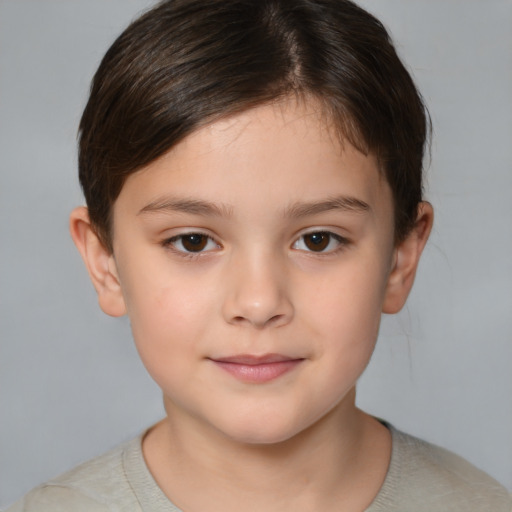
[296,210]
[191,206]
[343,203]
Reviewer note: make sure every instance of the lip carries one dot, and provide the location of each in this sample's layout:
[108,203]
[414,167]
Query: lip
[257,369]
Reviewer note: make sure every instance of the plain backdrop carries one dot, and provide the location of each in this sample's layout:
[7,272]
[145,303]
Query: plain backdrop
[71,385]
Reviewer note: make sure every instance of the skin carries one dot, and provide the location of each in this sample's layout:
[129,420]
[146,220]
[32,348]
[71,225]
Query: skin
[255,188]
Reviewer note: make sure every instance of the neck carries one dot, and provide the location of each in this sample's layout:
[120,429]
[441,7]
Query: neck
[321,468]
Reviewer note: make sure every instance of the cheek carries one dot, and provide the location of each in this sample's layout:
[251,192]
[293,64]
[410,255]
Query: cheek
[168,322]
[344,311]
[349,298]
[159,299]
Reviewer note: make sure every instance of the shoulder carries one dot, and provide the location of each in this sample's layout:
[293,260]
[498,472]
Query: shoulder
[427,477]
[99,485]
[56,498]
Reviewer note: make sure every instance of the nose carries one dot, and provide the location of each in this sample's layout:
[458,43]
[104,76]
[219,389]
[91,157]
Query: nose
[257,293]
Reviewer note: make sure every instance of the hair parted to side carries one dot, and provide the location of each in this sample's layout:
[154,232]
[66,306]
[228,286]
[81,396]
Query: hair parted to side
[186,63]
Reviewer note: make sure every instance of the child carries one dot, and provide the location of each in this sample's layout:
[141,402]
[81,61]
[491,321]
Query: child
[252,171]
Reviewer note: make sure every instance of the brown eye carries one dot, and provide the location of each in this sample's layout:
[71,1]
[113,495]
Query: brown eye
[320,242]
[317,242]
[194,242]
[191,243]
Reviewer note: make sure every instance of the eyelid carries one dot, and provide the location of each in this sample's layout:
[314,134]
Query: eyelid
[169,243]
[341,241]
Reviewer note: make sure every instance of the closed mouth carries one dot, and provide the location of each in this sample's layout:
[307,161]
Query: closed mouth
[257,369]
[251,360]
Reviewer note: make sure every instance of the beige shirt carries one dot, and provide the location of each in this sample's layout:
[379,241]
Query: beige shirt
[421,478]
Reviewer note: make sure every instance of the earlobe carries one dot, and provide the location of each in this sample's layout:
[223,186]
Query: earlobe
[99,261]
[405,260]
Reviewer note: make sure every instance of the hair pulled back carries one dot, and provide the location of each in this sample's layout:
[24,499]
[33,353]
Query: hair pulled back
[186,63]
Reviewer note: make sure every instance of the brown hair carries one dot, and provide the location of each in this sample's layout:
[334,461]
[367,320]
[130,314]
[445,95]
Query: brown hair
[186,63]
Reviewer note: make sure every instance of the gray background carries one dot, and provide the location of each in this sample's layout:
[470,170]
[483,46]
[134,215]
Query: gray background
[71,385]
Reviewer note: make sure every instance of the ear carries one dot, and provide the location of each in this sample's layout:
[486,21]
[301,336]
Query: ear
[99,261]
[405,260]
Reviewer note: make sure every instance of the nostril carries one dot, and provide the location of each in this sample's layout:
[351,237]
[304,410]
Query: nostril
[275,319]
[259,306]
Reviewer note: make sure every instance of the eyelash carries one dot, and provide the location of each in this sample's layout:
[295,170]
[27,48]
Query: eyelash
[341,242]
[171,243]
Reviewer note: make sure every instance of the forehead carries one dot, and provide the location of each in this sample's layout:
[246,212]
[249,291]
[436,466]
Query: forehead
[274,155]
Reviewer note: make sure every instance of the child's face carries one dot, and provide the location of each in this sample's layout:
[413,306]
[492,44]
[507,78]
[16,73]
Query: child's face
[256,237]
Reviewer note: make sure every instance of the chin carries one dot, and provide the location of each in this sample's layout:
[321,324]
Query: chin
[263,432]
[261,438]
